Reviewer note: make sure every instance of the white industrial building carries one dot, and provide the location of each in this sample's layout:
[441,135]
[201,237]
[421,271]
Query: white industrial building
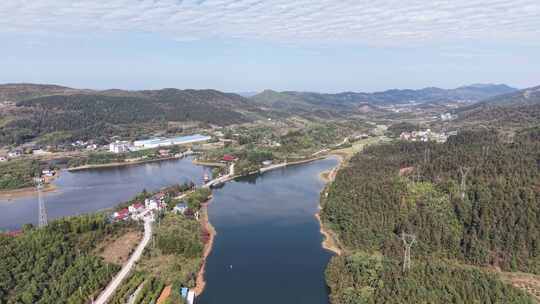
[165,142]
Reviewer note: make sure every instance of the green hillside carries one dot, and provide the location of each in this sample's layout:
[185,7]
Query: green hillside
[416,188]
[508,111]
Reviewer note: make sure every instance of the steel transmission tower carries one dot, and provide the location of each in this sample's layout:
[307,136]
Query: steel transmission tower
[408,241]
[42,217]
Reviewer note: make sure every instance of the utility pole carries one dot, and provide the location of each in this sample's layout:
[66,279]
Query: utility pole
[42,217]
[408,241]
[427,155]
[485,152]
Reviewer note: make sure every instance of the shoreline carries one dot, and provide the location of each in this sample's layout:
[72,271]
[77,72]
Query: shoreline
[26,192]
[119,164]
[205,222]
[330,241]
[208,164]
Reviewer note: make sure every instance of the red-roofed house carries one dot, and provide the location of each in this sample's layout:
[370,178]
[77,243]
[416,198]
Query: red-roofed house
[228,158]
[14,233]
[121,214]
[135,208]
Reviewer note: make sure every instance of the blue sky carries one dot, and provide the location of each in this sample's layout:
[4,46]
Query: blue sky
[250,45]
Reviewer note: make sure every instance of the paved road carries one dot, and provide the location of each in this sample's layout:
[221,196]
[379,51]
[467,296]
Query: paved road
[223,179]
[120,276]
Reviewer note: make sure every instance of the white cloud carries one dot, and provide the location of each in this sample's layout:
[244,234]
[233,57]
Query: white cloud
[380,22]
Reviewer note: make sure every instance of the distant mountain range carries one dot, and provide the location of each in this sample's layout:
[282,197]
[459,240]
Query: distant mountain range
[351,101]
[43,109]
[528,96]
[46,109]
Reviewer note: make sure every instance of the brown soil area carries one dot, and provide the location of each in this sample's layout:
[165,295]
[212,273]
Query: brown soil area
[208,163]
[524,281]
[117,250]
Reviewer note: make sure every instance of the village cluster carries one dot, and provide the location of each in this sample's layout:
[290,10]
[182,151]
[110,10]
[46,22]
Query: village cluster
[116,146]
[150,208]
[426,135]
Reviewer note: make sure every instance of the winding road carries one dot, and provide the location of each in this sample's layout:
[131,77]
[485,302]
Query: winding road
[122,274]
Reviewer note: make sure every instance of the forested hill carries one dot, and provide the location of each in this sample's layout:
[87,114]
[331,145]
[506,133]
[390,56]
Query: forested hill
[416,188]
[79,114]
[21,91]
[351,100]
[523,97]
[517,109]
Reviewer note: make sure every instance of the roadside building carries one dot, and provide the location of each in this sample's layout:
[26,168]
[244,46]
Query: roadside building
[121,214]
[119,147]
[180,208]
[14,233]
[228,158]
[164,152]
[14,154]
[136,208]
[267,163]
[153,204]
[184,292]
[48,173]
[405,136]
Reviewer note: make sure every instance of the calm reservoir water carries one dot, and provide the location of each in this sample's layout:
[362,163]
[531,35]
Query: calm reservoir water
[96,189]
[268,244]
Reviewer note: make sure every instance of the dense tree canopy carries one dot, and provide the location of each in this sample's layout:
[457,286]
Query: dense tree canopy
[54,264]
[474,199]
[18,174]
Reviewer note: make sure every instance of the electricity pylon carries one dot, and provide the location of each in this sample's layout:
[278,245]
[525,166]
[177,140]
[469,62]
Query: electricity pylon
[42,217]
[408,241]
[464,172]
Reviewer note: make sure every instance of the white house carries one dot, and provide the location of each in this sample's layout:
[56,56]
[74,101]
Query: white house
[152,204]
[136,208]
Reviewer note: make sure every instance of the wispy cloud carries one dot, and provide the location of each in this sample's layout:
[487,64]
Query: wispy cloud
[381,22]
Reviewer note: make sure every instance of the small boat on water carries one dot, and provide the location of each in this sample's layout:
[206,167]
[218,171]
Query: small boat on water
[206,177]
